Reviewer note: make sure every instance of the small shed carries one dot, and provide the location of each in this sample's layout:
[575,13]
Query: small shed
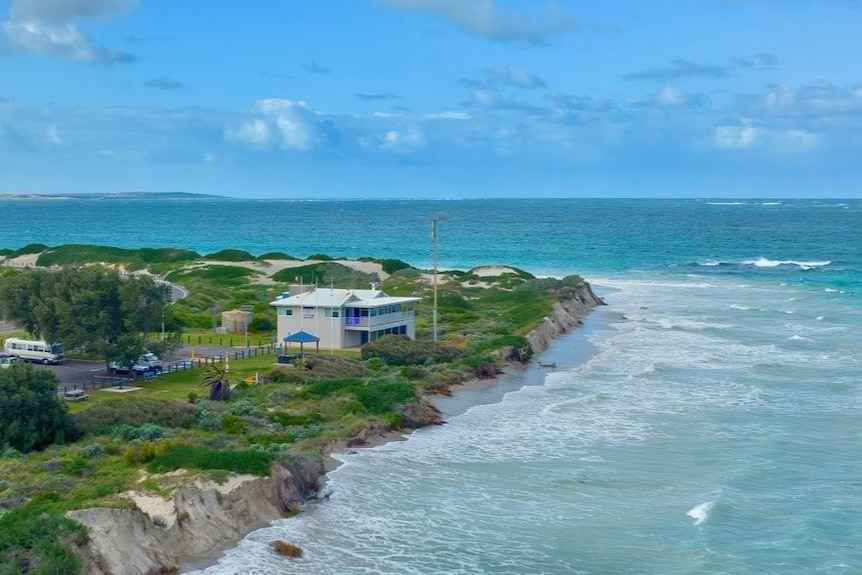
[235,320]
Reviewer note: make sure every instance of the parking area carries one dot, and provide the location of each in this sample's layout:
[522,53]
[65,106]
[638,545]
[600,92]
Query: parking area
[80,374]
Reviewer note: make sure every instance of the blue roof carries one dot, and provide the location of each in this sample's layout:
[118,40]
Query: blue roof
[301,337]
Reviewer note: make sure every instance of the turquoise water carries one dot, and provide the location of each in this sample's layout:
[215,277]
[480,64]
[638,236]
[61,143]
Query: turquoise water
[706,421]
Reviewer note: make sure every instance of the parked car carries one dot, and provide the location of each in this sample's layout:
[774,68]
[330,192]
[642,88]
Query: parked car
[8,360]
[147,363]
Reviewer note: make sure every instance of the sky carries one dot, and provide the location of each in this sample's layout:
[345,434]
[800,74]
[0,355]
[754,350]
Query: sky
[432,98]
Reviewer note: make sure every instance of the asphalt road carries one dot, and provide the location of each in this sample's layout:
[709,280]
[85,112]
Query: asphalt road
[76,373]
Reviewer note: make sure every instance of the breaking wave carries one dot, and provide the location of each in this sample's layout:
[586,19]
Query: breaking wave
[701,512]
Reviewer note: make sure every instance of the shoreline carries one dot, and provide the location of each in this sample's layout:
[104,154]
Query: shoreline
[464,396]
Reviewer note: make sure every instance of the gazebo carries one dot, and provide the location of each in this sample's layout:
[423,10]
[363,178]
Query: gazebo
[302,337]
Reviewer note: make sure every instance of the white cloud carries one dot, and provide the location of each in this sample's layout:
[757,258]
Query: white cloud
[254,132]
[403,141]
[747,136]
[669,97]
[449,116]
[516,78]
[48,28]
[53,136]
[737,137]
[821,97]
[289,124]
[483,18]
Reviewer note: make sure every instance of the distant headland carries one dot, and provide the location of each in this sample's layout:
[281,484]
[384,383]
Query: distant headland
[114,196]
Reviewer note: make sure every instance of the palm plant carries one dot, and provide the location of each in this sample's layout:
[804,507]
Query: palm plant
[216,379]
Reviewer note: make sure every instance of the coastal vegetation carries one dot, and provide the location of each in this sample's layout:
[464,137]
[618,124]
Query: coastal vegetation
[91,309]
[216,421]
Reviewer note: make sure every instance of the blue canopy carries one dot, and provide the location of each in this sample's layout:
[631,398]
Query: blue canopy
[301,337]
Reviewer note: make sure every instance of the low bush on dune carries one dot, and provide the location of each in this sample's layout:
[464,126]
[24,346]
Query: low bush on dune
[136,412]
[189,457]
[29,249]
[276,256]
[48,534]
[230,256]
[326,273]
[401,350]
[378,396]
[80,254]
[219,275]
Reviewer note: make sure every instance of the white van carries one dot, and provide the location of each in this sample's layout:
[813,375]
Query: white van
[34,350]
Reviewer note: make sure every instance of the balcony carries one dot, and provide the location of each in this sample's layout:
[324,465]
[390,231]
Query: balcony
[378,320]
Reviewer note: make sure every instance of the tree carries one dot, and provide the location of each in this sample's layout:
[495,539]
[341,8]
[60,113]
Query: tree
[216,379]
[31,414]
[91,309]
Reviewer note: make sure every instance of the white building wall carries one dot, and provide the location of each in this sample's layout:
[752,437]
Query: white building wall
[329,329]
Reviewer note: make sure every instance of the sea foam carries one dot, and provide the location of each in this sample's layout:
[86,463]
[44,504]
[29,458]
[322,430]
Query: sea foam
[700,513]
[762,262]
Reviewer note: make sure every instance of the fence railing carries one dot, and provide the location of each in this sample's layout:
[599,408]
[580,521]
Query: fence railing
[101,381]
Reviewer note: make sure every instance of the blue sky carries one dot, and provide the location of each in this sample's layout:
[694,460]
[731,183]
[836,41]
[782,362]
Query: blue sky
[432,98]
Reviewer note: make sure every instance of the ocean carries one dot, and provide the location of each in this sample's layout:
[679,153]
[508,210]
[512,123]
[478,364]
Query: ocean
[707,421]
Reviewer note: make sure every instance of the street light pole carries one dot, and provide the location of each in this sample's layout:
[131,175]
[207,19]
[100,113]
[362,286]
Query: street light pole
[434,222]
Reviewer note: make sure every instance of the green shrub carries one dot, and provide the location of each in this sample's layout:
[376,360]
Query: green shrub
[220,275]
[263,441]
[375,363]
[261,323]
[9,452]
[413,372]
[391,266]
[233,424]
[401,350]
[74,254]
[325,273]
[383,396]
[31,415]
[328,387]
[146,432]
[244,407]
[37,538]
[139,453]
[483,366]
[205,419]
[137,411]
[74,465]
[245,461]
[276,256]
[150,432]
[288,419]
[30,249]
[231,256]
[93,450]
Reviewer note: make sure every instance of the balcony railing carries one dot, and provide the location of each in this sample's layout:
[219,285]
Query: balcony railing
[375,320]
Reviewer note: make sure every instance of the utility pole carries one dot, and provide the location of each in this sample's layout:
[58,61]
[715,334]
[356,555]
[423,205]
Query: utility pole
[247,310]
[434,222]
